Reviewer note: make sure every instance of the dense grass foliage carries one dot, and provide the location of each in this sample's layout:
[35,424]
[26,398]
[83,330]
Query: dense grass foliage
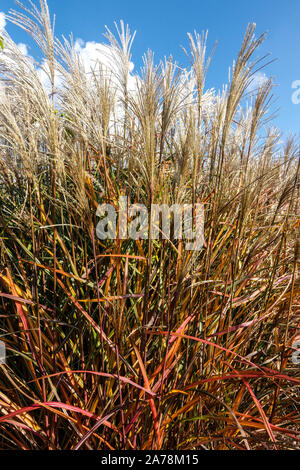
[124,344]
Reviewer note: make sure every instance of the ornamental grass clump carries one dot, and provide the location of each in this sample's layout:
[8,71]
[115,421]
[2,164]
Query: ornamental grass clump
[142,344]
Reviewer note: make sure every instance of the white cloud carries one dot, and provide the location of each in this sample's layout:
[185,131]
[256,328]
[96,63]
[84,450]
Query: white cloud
[257,81]
[2,21]
[92,52]
[23,48]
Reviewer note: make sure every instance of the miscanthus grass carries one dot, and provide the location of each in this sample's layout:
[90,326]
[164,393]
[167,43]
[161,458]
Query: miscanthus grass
[124,344]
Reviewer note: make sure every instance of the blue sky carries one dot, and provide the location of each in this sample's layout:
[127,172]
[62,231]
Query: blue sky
[162,26]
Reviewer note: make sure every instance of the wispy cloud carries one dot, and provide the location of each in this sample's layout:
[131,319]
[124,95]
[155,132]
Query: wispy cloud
[92,53]
[257,81]
[23,48]
[2,21]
